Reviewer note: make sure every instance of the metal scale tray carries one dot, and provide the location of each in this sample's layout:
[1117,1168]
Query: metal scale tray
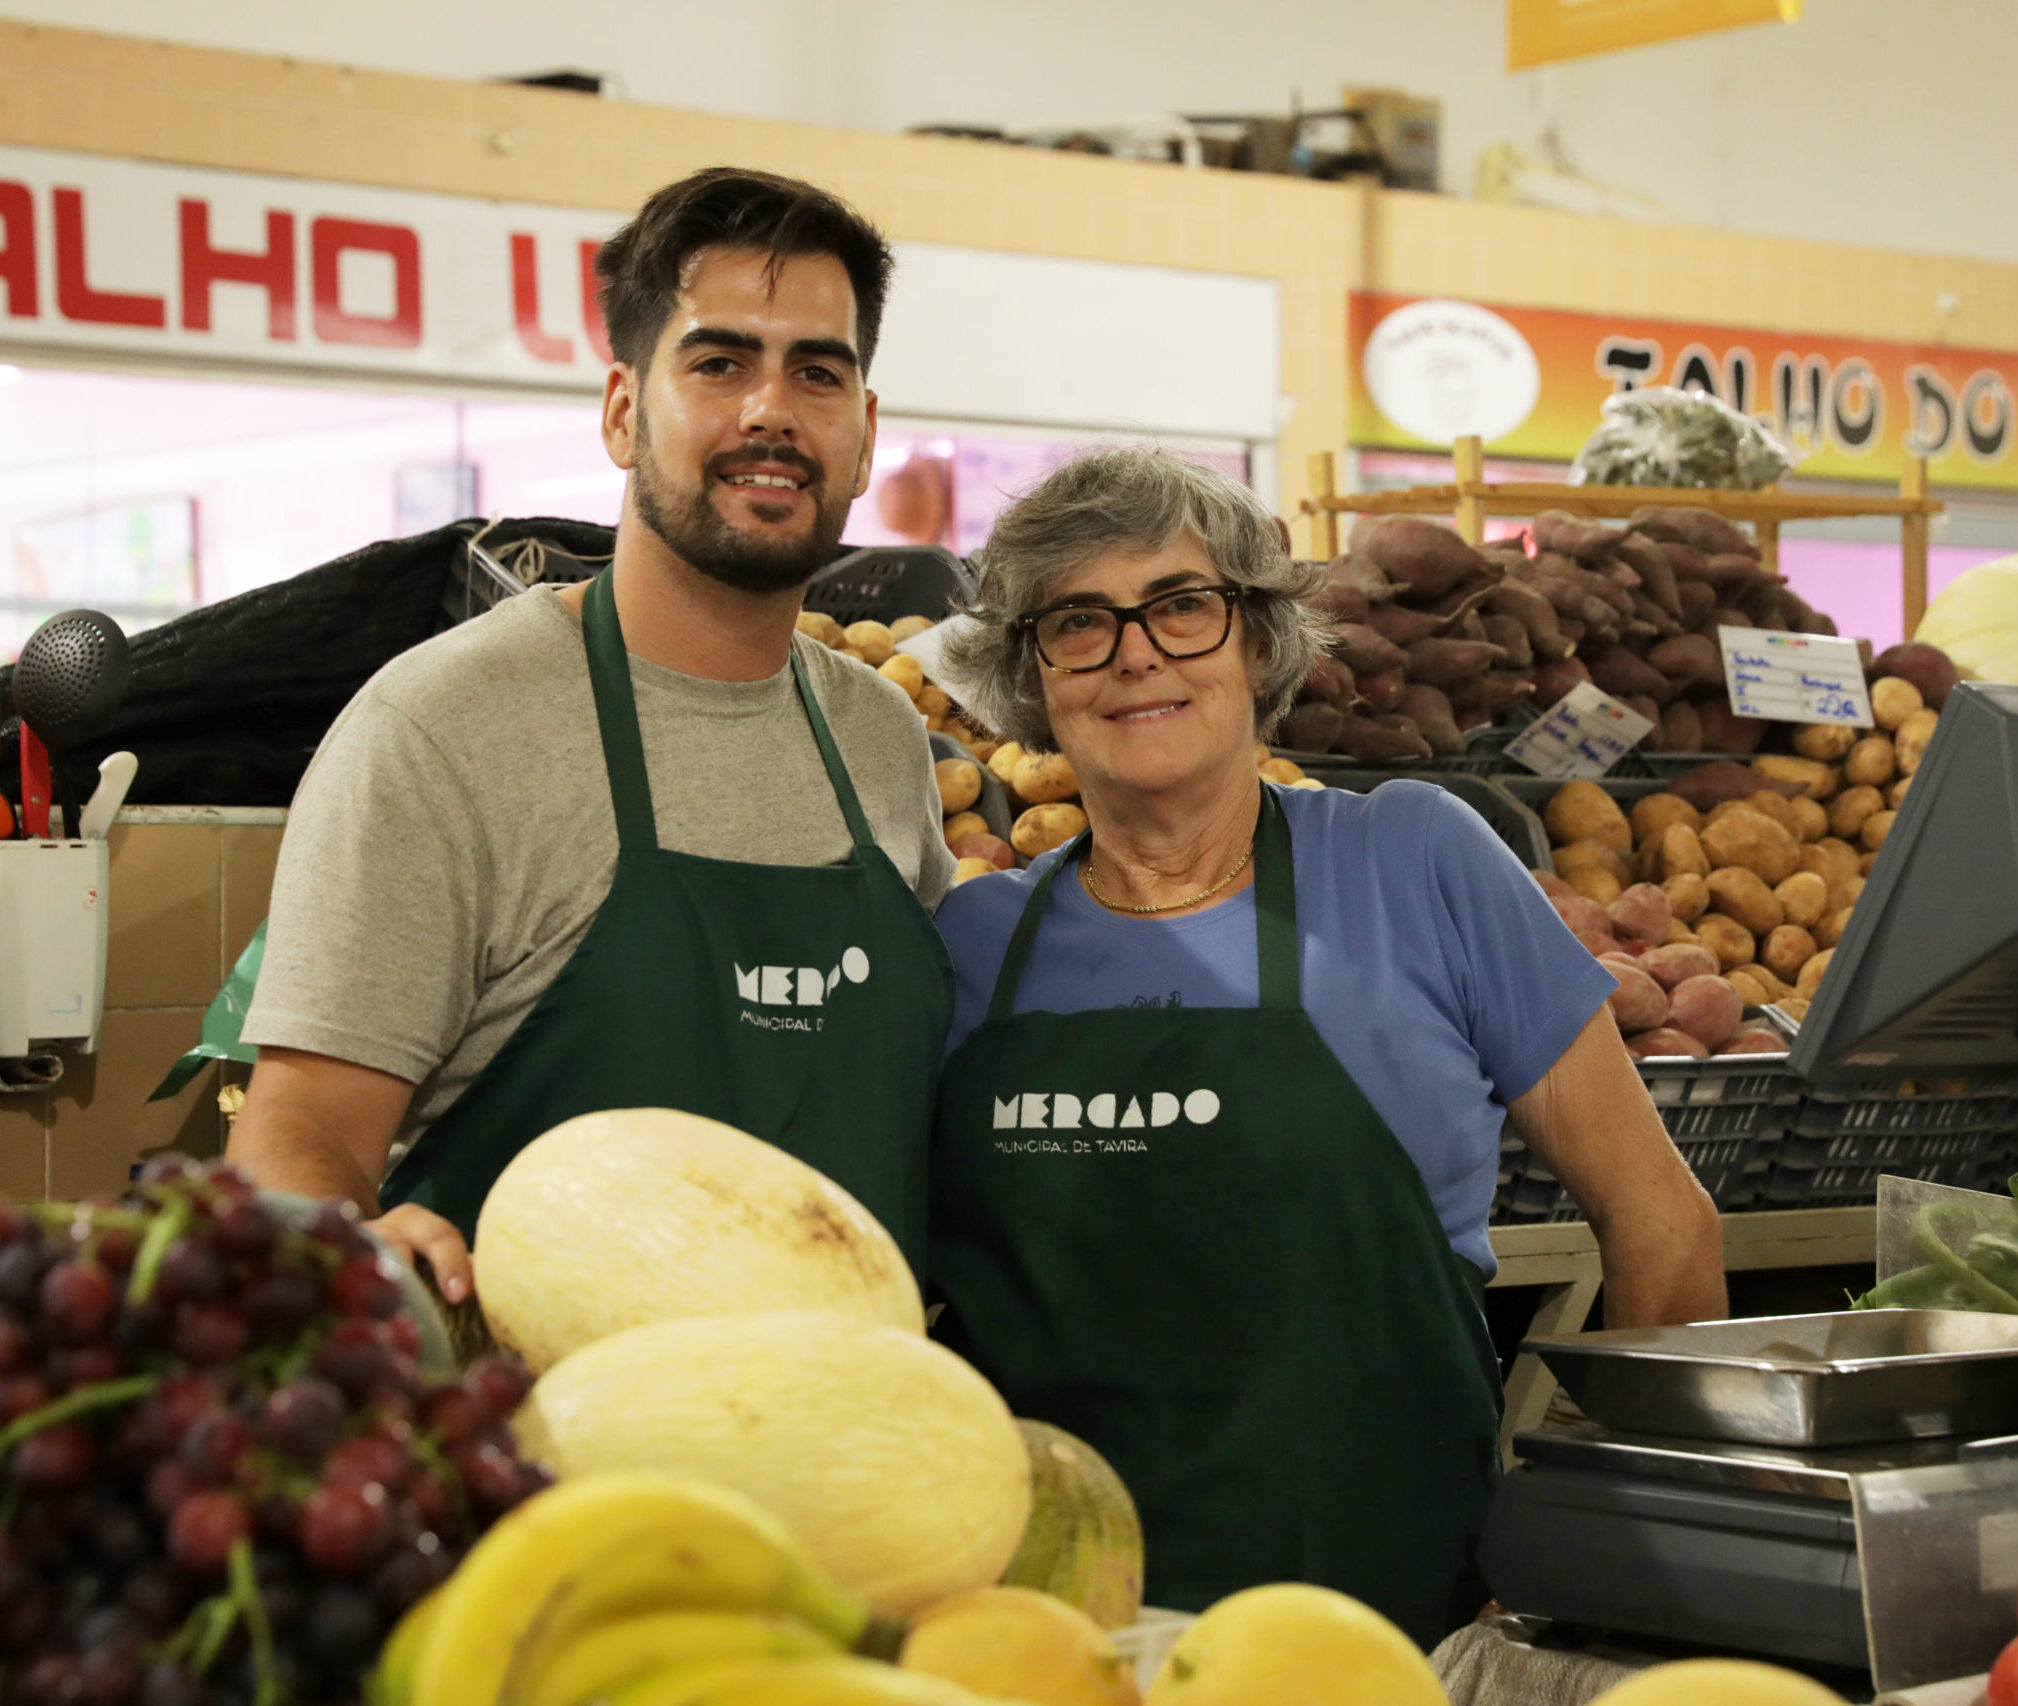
[1896,1554]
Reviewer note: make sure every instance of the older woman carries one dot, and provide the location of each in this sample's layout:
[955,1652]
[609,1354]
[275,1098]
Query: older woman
[1219,1126]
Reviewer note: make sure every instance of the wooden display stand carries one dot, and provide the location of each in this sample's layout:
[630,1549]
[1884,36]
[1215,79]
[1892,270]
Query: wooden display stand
[1472,497]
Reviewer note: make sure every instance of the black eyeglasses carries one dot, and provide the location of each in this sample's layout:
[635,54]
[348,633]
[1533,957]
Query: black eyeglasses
[1075,639]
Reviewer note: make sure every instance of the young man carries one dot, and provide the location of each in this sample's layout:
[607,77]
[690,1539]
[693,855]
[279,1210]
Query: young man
[633,844]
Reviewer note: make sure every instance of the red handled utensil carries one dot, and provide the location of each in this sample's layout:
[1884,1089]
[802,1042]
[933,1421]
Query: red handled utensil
[35,785]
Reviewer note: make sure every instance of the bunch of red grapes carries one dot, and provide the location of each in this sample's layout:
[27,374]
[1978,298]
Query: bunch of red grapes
[223,1477]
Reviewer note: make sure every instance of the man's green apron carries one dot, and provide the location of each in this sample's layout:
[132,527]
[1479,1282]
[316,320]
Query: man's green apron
[804,1004]
[1187,1237]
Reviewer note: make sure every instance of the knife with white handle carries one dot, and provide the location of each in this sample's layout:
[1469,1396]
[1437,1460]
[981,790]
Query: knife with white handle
[115,776]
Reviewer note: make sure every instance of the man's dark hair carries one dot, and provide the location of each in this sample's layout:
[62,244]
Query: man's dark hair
[640,266]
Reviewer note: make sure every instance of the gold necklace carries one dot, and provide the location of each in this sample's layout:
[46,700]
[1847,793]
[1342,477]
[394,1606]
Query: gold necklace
[1093,888]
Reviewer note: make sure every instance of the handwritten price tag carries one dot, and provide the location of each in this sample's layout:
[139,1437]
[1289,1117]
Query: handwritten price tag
[1584,733]
[1795,678]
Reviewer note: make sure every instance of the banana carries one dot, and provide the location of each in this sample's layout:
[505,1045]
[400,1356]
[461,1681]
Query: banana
[798,1682]
[604,1546]
[391,1684]
[606,1657]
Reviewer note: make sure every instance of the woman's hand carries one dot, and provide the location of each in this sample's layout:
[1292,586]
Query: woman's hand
[415,1233]
[1592,1124]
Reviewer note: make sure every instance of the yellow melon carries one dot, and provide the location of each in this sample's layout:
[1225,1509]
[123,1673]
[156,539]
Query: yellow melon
[1289,1641]
[1084,1542]
[1726,1682]
[899,1467]
[615,1219]
[1019,1644]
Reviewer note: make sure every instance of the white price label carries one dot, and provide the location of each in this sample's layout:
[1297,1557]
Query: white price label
[1795,678]
[1584,733]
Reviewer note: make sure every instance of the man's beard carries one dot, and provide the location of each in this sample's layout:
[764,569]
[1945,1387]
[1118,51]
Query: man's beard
[693,529]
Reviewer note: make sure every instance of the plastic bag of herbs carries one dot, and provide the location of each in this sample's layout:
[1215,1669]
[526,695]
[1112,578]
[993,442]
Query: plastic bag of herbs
[1940,1247]
[1660,436]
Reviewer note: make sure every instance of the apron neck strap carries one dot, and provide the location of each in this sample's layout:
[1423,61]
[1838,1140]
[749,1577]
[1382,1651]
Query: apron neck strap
[624,746]
[830,756]
[617,717]
[1274,915]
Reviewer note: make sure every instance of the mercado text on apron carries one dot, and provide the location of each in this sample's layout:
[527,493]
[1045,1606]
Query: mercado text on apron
[806,1005]
[1187,1237]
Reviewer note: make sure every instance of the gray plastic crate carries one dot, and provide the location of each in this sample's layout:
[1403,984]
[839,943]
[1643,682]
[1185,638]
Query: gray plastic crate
[1513,822]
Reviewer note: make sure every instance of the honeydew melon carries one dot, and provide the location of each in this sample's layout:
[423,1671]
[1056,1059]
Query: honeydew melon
[898,1466]
[615,1219]
[1084,1542]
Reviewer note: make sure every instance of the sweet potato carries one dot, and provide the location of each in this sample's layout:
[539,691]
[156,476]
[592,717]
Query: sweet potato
[984,846]
[1567,859]
[1039,779]
[1744,895]
[1642,913]
[1700,529]
[1044,827]
[1729,940]
[1911,740]
[1830,931]
[1553,680]
[1498,688]
[1430,710]
[1810,979]
[1849,809]
[1352,588]
[1753,840]
[1380,693]
[1893,700]
[1443,663]
[1927,667]
[1688,895]
[1620,673]
[1665,1044]
[1876,827]
[1787,950]
[1331,680]
[1375,741]
[1533,612]
[1725,731]
[959,784]
[1365,651]
[1597,883]
[1557,530]
[1639,1003]
[1650,562]
[1312,726]
[1583,811]
[1803,898]
[1754,1039]
[1675,963]
[1683,853]
[1512,639]
[1871,762]
[1652,813]
[1402,625]
[1809,776]
[1422,559]
[1689,660]
[1681,727]
[1824,742]
[1707,1008]
[1709,785]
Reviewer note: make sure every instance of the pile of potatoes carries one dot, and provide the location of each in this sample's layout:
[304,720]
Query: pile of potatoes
[1739,874]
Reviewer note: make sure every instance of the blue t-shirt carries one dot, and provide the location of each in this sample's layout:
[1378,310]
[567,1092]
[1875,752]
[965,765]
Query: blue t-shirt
[1433,966]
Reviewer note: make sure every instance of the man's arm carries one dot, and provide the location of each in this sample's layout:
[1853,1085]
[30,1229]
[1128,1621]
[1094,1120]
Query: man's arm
[1591,1123]
[323,1127]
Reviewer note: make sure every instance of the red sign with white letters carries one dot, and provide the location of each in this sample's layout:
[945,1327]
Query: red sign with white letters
[107,254]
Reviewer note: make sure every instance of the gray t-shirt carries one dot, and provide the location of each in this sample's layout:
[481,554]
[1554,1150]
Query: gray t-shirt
[454,837]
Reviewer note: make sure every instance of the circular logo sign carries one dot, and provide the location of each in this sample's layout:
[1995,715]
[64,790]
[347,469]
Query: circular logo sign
[1439,370]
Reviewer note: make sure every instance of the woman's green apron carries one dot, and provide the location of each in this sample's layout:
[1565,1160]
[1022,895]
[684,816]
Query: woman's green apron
[804,1004]
[1187,1237]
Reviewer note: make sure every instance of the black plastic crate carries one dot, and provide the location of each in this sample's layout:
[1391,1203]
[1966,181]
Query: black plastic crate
[1941,1132]
[1728,1117]
[1511,821]
[880,583]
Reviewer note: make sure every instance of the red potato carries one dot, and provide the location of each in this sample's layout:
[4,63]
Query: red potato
[1673,964]
[1553,886]
[1927,667]
[1639,1003]
[990,847]
[1665,1043]
[1755,1039]
[1642,912]
[1708,1008]
[1582,915]
[1599,943]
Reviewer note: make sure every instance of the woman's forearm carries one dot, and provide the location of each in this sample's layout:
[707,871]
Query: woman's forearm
[1663,1269]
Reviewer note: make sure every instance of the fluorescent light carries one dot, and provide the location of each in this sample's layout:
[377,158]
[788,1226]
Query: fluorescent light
[10,375]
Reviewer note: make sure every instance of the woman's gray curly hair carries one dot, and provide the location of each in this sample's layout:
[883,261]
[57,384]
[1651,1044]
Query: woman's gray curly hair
[1137,500]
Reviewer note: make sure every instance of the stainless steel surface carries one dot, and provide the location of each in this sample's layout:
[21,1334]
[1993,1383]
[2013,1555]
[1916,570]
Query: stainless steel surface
[1811,1474]
[1847,1378]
